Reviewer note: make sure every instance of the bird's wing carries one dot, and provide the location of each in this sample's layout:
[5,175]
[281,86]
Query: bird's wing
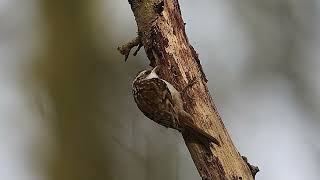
[155,101]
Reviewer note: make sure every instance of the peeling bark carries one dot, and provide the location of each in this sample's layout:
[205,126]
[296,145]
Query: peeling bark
[162,33]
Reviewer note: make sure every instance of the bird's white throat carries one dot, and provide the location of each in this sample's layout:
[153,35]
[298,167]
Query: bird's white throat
[152,75]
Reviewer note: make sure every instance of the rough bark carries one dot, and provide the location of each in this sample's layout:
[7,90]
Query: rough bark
[162,32]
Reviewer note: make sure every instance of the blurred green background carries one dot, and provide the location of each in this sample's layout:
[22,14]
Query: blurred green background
[66,110]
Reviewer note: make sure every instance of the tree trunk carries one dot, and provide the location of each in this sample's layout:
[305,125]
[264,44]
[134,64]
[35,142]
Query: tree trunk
[162,33]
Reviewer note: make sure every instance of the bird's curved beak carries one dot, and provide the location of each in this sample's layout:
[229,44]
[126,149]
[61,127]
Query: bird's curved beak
[155,69]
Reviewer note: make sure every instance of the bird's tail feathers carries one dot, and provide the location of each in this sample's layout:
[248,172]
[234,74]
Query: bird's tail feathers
[190,127]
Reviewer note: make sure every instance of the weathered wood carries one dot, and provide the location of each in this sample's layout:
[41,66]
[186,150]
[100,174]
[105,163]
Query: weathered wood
[162,32]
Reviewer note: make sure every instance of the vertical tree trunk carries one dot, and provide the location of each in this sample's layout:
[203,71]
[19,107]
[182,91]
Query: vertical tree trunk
[162,33]
[71,68]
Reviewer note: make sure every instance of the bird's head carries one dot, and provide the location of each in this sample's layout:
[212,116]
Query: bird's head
[147,74]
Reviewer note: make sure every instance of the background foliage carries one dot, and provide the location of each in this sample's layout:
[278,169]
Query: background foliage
[66,109]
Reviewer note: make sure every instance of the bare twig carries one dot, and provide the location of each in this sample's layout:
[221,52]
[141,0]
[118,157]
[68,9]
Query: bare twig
[126,48]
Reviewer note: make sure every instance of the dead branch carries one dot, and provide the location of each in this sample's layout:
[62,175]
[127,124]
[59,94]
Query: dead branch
[162,33]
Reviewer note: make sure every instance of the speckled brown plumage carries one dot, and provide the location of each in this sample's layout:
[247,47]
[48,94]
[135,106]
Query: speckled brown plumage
[162,104]
[155,101]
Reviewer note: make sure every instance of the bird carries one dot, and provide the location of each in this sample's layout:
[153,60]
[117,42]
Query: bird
[161,102]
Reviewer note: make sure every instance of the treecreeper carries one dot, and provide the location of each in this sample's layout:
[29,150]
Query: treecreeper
[162,103]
